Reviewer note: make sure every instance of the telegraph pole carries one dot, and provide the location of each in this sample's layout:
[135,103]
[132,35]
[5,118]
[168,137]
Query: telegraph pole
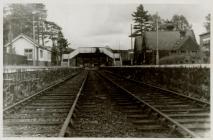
[119,46]
[33,28]
[10,37]
[131,37]
[131,52]
[34,51]
[143,49]
[42,30]
[157,49]
[38,30]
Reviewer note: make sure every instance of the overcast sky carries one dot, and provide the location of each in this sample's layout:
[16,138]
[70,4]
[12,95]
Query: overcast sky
[109,24]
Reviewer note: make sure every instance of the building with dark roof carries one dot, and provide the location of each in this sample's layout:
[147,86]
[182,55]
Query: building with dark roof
[169,43]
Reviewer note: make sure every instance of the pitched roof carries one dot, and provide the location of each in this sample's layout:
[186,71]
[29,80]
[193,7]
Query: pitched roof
[167,40]
[207,33]
[25,37]
[188,43]
[28,39]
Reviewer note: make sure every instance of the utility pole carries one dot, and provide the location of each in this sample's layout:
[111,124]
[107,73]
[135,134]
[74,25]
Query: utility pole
[131,37]
[143,49]
[42,31]
[131,52]
[119,46]
[157,50]
[33,28]
[10,37]
[38,30]
[34,50]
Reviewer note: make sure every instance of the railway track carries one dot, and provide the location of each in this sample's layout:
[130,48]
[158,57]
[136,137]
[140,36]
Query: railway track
[187,115]
[104,105]
[44,113]
[104,110]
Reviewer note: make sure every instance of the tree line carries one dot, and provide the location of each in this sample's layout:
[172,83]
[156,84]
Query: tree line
[144,21]
[31,20]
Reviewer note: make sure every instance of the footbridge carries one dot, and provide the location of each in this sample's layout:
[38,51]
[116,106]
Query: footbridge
[116,58]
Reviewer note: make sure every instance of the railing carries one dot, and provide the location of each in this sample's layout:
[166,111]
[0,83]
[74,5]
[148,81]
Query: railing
[107,52]
[73,54]
[21,82]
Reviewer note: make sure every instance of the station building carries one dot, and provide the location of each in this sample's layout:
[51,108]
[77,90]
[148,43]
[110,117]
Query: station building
[34,53]
[171,45]
[92,57]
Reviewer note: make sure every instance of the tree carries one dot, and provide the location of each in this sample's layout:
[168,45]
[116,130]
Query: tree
[54,55]
[180,22]
[169,26]
[140,17]
[153,21]
[207,24]
[18,18]
[52,31]
[62,45]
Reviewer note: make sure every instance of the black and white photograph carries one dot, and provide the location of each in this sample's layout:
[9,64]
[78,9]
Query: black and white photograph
[106,69]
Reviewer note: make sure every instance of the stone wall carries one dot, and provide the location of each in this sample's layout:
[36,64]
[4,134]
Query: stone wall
[191,81]
[19,83]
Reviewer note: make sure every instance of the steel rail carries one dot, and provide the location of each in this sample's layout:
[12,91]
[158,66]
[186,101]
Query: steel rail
[39,92]
[70,114]
[189,132]
[162,89]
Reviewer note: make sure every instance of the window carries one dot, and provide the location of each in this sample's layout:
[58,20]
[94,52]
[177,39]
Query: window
[173,51]
[65,60]
[41,54]
[28,53]
[183,51]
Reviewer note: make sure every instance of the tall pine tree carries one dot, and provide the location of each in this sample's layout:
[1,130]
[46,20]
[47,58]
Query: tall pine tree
[140,17]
